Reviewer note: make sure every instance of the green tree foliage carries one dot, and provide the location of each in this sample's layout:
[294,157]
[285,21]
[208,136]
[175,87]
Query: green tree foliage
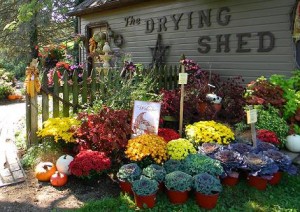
[28,23]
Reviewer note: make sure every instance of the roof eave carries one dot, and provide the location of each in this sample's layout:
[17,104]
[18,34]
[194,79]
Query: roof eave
[107,6]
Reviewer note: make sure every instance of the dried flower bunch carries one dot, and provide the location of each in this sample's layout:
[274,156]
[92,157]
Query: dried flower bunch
[147,146]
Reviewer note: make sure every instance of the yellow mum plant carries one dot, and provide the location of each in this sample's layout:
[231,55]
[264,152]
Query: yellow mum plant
[209,131]
[59,128]
[147,146]
[180,148]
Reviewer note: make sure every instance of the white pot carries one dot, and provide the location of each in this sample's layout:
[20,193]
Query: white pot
[293,143]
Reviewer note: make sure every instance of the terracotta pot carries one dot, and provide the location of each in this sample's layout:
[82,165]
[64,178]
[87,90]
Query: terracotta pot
[217,107]
[161,187]
[126,187]
[206,201]
[202,107]
[177,197]
[142,201]
[257,182]
[276,178]
[230,181]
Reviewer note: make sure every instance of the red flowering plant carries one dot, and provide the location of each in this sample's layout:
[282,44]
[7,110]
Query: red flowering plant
[88,164]
[168,134]
[268,136]
[106,131]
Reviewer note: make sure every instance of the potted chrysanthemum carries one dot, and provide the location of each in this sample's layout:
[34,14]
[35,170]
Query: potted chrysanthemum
[209,132]
[146,149]
[180,148]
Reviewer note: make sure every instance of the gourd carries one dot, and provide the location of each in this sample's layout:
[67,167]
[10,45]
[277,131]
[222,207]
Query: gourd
[62,164]
[44,171]
[58,179]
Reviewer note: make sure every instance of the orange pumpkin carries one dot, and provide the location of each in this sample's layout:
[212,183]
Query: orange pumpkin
[44,171]
[58,179]
[11,97]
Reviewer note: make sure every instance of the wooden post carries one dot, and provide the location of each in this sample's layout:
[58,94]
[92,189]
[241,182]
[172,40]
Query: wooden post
[252,119]
[33,86]
[33,119]
[28,122]
[182,82]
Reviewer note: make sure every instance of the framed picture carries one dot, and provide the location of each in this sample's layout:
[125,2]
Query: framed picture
[145,118]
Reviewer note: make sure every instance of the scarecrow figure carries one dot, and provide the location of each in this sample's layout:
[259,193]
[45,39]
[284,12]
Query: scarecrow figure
[32,82]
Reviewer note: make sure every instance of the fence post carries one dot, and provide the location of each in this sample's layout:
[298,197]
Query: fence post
[56,93]
[45,98]
[66,97]
[75,91]
[33,86]
[84,87]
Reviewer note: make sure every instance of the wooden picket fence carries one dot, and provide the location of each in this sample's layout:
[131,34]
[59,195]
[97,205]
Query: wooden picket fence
[72,96]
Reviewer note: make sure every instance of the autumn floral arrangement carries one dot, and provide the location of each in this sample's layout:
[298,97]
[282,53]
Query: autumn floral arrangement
[59,128]
[51,54]
[209,131]
[88,164]
[180,148]
[168,134]
[147,147]
[267,136]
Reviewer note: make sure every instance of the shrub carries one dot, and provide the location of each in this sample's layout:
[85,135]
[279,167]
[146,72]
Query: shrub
[107,131]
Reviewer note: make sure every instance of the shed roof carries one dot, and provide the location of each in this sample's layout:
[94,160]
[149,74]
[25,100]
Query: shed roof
[92,6]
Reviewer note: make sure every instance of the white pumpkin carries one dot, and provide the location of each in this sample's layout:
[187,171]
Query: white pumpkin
[62,164]
[293,143]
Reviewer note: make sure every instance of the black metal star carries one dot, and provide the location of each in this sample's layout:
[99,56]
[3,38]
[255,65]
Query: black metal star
[158,53]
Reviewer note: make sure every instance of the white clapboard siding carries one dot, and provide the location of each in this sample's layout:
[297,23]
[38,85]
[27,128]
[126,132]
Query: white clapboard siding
[247,16]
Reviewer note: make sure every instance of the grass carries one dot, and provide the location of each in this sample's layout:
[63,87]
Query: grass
[280,198]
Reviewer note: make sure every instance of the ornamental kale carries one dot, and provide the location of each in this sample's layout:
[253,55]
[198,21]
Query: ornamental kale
[242,148]
[196,163]
[155,172]
[283,161]
[173,165]
[208,148]
[230,160]
[264,146]
[129,172]
[260,165]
